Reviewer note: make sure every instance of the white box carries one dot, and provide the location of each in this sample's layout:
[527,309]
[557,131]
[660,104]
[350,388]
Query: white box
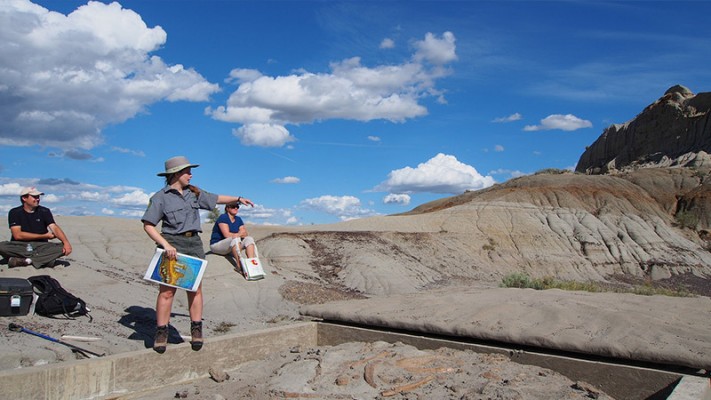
[251,267]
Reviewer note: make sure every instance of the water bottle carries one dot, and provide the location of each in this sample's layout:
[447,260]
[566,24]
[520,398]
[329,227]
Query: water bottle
[29,247]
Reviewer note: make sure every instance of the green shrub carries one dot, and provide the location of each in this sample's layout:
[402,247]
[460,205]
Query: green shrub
[516,280]
[491,246]
[552,171]
[523,281]
[687,219]
[212,215]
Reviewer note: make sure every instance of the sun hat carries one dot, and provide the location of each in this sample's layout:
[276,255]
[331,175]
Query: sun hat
[176,164]
[32,191]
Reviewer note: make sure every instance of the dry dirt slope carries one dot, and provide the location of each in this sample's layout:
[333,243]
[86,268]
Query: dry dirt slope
[569,226]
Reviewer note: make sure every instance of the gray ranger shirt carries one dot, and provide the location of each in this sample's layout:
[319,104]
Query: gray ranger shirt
[179,214]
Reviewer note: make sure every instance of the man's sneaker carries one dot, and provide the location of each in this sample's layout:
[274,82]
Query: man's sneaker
[196,333]
[161,339]
[18,262]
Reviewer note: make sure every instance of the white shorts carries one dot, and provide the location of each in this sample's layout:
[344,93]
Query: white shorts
[224,246]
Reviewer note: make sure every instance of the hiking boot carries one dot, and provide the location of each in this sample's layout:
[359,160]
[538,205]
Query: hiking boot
[196,333]
[161,339]
[18,262]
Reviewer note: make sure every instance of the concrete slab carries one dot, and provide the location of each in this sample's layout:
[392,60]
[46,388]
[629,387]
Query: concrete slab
[692,388]
[144,370]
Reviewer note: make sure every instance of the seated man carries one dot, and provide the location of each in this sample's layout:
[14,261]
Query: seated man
[229,235]
[32,226]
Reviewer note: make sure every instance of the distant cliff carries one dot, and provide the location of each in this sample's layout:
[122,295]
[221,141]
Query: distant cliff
[673,131]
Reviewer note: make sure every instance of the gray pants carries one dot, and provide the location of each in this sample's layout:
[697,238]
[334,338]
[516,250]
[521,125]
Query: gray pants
[41,254]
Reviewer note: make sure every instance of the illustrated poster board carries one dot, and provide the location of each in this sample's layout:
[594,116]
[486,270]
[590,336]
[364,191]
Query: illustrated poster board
[185,272]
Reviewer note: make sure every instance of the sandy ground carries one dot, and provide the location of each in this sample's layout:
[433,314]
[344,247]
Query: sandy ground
[110,257]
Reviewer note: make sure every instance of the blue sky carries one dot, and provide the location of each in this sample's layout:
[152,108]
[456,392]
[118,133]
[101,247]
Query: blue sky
[323,111]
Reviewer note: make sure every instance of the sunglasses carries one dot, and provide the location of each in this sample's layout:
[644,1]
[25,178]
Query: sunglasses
[36,196]
[234,206]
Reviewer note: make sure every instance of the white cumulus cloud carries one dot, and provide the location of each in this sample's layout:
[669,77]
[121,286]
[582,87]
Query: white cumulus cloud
[264,105]
[567,122]
[264,135]
[393,198]
[136,198]
[345,207]
[50,198]
[287,180]
[10,189]
[510,118]
[509,172]
[138,153]
[90,196]
[437,50]
[441,174]
[66,77]
[387,43]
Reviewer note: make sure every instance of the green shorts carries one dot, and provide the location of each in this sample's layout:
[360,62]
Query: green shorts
[191,246]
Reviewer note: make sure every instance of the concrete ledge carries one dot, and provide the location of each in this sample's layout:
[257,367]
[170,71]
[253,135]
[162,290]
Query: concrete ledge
[145,369]
[692,388]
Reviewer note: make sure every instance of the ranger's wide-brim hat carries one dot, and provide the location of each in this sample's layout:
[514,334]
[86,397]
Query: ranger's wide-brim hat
[176,164]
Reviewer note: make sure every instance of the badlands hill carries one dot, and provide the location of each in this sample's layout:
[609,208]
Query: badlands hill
[646,219]
[614,229]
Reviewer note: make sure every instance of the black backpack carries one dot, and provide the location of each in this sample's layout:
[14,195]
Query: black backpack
[55,300]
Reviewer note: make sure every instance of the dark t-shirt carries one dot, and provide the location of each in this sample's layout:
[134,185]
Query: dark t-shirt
[224,219]
[36,222]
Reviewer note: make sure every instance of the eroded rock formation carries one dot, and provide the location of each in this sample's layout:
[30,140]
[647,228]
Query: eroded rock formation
[674,130]
[568,226]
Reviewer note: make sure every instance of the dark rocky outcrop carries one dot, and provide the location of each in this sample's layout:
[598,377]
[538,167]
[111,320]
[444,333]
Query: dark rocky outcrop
[673,131]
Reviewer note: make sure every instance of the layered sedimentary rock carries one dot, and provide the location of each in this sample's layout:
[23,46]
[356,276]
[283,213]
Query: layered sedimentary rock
[674,130]
[568,226]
